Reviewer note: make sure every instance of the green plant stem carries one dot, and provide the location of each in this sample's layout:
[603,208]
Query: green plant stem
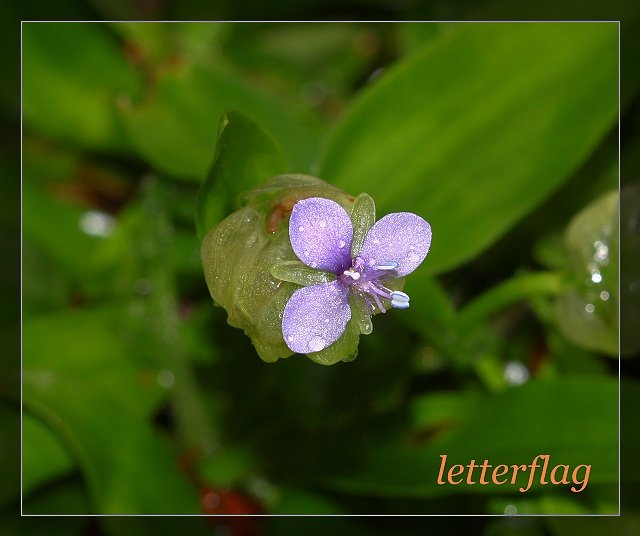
[520,287]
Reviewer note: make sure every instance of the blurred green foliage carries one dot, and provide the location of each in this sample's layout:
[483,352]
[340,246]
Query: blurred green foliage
[138,398]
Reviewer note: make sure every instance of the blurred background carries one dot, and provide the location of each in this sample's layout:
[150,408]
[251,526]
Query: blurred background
[139,398]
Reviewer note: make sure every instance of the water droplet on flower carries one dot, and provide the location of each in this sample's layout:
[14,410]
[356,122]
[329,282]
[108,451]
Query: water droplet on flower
[589,308]
[414,257]
[323,224]
[604,295]
[342,244]
[602,251]
[314,265]
[290,337]
[301,228]
[316,344]
[306,252]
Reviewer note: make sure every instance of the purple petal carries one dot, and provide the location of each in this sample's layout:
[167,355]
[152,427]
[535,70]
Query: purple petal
[315,317]
[320,231]
[401,237]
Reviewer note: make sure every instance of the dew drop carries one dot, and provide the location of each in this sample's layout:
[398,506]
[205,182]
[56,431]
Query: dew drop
[602,251]
[515,373]
[96,223]
[590,308]
[414,257]
[342,244]
[323,224]
[301,228]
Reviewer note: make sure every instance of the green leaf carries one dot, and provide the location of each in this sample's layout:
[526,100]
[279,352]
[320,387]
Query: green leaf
[245,157]
[55,227]
[299,273]
[43,455]
[508,428]
[81,379]
[175,127]
[73,75]
[478,127]
[363,216]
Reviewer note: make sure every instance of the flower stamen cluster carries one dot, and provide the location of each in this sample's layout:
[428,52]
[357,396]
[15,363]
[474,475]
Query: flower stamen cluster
[353,262]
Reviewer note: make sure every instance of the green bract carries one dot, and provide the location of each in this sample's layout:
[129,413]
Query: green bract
[252,271]
[588,313]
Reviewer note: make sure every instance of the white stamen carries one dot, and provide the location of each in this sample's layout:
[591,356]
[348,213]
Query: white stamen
[400,304]
[352,274]
[400,296]
[387,266]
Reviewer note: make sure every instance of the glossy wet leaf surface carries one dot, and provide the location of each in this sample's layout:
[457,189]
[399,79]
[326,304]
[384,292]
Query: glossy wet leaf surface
[454,119]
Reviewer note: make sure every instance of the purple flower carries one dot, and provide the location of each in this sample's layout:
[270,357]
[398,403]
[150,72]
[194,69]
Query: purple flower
[322,237]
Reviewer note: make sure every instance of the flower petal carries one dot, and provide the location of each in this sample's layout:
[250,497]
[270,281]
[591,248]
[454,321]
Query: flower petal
[320,231]
[401,237]
[315,317]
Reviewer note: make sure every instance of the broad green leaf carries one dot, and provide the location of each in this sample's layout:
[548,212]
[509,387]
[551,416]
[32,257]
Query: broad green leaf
[56,228]
[478,127]
[138,261]
[80,378]
[73,75]
[321,64]
[43,455]
[245,157]
[511,427]
[174,128]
